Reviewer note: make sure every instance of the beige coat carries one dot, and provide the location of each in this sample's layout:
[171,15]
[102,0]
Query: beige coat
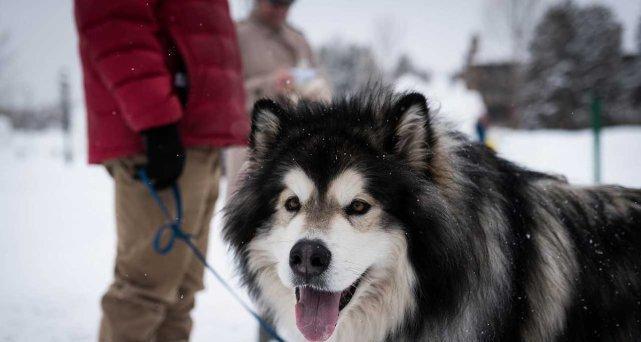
[265,50]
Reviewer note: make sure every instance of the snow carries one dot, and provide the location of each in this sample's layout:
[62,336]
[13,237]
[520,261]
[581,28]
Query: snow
[57,246]
[57,239]
[570,153]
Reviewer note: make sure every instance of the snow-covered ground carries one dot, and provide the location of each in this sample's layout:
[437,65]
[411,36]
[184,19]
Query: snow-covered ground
[571,153]
[57,235]
[57,244]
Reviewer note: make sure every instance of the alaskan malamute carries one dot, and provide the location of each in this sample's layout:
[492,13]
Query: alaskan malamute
[365,220]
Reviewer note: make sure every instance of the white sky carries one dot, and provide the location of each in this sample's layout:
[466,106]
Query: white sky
[434,32]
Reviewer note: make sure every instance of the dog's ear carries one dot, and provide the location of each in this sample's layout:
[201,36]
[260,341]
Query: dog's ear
[412,130]
[266,125]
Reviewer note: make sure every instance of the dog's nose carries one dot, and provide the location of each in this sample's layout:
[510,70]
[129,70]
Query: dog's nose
[309,258]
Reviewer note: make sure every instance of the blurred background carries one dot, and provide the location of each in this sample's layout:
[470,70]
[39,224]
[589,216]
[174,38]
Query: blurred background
[553,85]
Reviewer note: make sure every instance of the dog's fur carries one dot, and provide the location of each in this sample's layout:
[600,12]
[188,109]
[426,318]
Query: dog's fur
[459,244]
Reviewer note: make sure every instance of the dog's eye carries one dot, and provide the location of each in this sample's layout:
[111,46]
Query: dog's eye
[357,207]
[292,204]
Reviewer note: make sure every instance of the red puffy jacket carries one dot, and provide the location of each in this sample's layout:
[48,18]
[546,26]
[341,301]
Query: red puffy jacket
[130,52]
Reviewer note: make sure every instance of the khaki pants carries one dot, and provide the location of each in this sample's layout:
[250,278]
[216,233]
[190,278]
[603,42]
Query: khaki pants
[152,294]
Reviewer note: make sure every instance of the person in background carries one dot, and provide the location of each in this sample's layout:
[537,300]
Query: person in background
[159,97]
[481,126]
[277,62]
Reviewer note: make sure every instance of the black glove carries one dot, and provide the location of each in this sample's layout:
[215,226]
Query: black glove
[165,155]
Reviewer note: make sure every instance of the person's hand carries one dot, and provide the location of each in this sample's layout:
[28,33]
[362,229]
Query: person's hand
[283,82]
[165,155]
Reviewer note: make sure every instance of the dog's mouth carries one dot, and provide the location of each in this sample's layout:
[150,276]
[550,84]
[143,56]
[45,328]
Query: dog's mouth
[317,311]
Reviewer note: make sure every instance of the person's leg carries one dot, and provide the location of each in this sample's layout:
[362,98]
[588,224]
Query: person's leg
[177,324]
[147,283]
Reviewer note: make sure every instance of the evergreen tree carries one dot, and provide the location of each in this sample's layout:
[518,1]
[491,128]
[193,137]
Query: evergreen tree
[575,55]
[599,56]
[546,94]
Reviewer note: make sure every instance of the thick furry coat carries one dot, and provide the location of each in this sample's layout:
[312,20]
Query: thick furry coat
[485,250]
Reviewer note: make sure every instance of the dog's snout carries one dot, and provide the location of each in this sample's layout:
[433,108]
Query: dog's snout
[309,258]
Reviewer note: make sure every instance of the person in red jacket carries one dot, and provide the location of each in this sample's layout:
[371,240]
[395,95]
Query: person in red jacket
[163,91]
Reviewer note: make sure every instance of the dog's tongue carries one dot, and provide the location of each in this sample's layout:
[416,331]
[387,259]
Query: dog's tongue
[317,313]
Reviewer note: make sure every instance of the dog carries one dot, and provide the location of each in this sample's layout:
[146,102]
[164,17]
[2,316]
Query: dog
[367,219]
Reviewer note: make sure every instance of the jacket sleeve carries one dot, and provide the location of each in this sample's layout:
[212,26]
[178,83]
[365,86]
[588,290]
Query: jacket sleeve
[120,38]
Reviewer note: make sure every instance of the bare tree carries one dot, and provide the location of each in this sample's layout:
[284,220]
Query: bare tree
[639,36]
[514,20]
[349,66]
[387,40]
[4,62]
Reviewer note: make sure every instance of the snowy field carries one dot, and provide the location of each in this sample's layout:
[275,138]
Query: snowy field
[57,234]
[57,245]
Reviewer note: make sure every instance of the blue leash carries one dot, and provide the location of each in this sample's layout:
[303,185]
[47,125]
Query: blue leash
[173,226]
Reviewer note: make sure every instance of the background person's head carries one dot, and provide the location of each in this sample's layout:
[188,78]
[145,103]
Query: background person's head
[273,12]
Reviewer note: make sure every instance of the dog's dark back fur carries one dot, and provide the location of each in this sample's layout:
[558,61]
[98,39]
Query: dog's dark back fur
[605,224]
[568,255]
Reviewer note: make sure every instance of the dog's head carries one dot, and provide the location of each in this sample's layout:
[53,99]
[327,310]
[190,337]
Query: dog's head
[320,221]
